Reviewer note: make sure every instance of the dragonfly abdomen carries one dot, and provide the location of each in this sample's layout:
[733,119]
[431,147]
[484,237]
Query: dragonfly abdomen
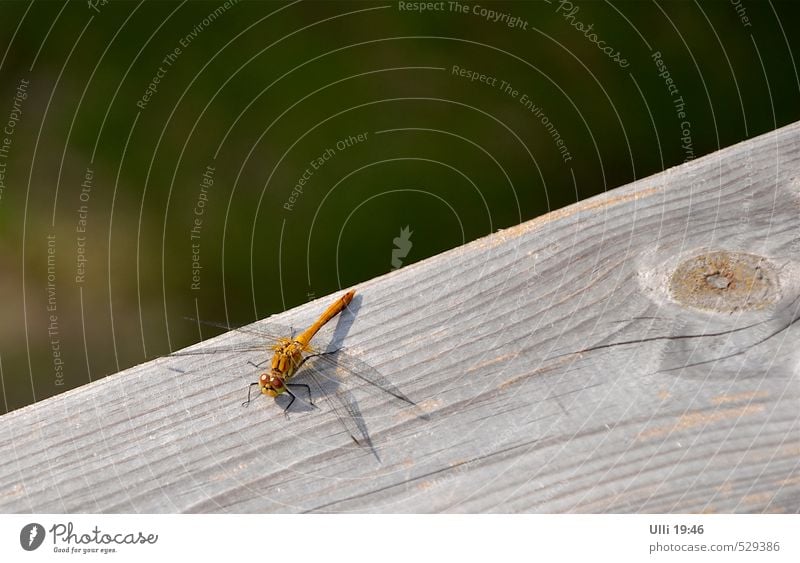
[336,307]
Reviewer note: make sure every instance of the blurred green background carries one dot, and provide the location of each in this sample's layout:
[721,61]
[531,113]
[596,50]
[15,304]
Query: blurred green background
[259,90]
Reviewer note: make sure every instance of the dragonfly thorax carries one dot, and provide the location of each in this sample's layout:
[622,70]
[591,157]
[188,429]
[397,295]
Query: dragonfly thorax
[288,354]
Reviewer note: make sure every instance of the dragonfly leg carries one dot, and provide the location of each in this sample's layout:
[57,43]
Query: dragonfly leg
[259,364]
[249,389]
[308,390]
[293,396]
[314,356]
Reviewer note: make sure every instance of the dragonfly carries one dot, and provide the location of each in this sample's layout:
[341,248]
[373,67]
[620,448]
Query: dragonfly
[290,354]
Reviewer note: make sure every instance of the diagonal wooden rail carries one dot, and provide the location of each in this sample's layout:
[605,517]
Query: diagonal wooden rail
[633,352]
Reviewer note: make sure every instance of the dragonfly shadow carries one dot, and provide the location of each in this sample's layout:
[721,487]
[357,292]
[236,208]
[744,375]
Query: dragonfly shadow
[322,375]
[343,325]
[322,372]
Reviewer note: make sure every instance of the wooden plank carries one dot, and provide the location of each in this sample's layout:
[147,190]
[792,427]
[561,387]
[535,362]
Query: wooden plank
[562,365]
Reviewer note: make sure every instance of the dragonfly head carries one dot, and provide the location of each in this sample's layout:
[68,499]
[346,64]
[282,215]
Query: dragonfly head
[271,384]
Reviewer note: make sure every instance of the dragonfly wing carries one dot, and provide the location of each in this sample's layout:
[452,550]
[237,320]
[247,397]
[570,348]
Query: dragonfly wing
[267,331]
[343,404]
[219,350]
[358,369]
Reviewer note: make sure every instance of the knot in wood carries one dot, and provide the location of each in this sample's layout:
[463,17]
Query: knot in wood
[725,282]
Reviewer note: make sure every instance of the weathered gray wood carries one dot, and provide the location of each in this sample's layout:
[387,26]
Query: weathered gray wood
[562,369]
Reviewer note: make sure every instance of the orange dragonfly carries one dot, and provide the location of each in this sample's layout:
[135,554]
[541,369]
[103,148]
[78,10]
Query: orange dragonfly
[289,354]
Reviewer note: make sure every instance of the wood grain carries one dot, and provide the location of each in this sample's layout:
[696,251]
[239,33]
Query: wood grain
[559,369]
